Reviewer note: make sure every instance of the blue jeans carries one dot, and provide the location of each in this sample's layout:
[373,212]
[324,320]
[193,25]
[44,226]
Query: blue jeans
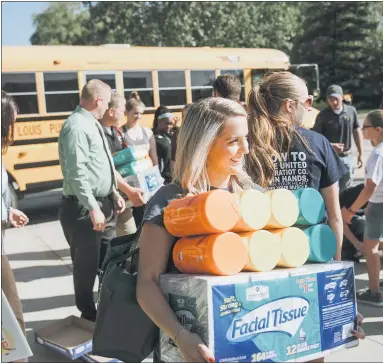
[345,180]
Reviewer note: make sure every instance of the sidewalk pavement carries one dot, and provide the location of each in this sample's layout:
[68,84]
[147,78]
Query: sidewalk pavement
[39,256]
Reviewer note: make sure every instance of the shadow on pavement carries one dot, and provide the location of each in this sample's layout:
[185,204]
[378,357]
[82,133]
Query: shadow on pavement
[34,256]
[41,207]
[42,215]
[371,328]
[47,303]
[27,274]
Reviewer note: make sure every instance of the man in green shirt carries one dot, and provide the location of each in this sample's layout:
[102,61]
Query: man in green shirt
[90,201]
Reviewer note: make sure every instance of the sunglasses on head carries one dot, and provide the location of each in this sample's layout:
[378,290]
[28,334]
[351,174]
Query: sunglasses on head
[308,100]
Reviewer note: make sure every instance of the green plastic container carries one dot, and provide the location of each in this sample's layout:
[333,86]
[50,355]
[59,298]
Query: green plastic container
[134,167]
[130,154]
[311,206]
[322,243]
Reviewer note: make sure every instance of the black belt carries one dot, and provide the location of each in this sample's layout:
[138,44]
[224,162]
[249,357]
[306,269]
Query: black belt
[75,199]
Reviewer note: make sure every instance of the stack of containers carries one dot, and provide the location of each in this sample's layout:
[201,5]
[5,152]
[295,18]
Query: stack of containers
[311,214]
[132,160]
[223,233]
[204,222]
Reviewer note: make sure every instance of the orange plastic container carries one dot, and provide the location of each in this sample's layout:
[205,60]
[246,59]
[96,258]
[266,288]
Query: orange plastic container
[255,210]
[207,213]
[217,254]
[263,250]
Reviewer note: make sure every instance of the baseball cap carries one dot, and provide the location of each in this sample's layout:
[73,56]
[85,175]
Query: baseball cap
[334,91]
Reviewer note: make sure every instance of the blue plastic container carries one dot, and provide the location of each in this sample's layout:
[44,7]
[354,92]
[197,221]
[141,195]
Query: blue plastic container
[322,243]
[311,206]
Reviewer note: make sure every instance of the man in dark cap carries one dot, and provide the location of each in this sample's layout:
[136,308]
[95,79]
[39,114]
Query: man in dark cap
[339,123]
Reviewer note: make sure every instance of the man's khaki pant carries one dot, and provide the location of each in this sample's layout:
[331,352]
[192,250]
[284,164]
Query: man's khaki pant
[8,284]
[125,223]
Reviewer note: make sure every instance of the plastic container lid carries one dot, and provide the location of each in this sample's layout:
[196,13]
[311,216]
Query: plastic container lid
[311,206]
[322,243]
[229,254]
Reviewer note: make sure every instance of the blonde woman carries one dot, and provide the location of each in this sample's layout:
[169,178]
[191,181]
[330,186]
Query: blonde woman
[136,134]
[212,144]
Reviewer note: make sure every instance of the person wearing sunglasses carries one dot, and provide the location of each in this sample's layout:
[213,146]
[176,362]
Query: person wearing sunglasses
[285,155]
[373,194]
[339,124]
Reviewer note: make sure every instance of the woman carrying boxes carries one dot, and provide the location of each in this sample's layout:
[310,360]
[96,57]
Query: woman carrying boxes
[140,141]
[212,144]
[211,220]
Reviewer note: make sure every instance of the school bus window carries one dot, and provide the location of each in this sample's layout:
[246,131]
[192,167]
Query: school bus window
[22,87]
[172,88]
[62,81]
[61,91]
[237,73]
[18,82]
[108,78]
[257,75]
[201,84]
[142,83]
[234,72]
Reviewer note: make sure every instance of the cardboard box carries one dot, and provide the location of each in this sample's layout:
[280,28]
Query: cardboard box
[98,359]
[283,315]
[14,345]
[71,336]
[149,181]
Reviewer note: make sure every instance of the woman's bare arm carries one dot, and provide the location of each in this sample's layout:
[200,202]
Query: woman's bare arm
[155,247]
[331,200]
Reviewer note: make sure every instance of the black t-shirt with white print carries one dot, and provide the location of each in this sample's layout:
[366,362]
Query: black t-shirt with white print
[317,167]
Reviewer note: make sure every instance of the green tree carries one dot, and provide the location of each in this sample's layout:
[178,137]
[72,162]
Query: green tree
[215,24]
[339,36]
[61,23]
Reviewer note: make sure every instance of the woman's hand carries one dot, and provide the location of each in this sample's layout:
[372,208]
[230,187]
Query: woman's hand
[359,332]
[347,215]
[192,348]
[17,218]
[176,121]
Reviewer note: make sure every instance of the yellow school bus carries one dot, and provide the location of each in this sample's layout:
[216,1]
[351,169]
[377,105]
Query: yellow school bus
[45,81]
